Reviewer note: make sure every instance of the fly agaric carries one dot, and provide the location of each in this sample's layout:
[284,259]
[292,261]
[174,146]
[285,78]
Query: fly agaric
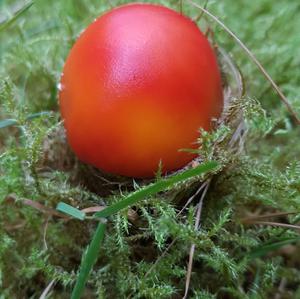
[137,86]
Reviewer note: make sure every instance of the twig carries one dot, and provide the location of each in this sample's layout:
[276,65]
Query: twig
[254,218]
[277,224]
[181,6]
[203,185]
[197,18]
[47,290]
[110,3]
[36,205]
[281,288]
[235,71]
[45,232]
[193,246]
[297,219]
[160,257]
[93,209]
[253,58]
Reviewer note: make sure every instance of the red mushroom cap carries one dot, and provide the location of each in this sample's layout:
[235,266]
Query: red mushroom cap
[136,88]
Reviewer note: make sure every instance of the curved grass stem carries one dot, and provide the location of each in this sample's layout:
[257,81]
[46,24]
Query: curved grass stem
[253,58]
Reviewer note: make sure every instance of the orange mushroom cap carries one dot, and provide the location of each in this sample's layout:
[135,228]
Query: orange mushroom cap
[136,88]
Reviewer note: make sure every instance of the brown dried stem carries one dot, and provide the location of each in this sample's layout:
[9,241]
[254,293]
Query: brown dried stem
[254,218]
[193,246]
[279,224]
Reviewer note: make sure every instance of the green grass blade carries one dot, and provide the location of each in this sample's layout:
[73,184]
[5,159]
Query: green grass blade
[88,260]
[38,114]
[7,123]
[90,256]
[12,122]
[266,248]
[155,188]
[71,211]
[17,14]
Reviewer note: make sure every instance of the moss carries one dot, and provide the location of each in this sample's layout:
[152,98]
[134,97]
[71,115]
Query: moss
[146,250]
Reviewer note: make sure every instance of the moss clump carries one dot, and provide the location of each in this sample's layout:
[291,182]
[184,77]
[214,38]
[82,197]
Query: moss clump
[145,252]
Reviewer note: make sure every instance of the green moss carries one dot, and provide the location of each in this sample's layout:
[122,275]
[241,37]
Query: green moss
[35,164]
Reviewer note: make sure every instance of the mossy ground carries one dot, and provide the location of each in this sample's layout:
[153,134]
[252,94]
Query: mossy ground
[234,258]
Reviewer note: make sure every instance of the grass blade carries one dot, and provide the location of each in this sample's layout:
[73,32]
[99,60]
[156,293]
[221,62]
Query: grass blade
[88,260]
[12,122]
[7,123]
[71,211]
[17,14]
[155,188]
[90,256]
[266,248]
[37,114]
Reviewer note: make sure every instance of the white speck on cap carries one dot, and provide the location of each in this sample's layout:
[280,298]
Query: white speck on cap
[60,87]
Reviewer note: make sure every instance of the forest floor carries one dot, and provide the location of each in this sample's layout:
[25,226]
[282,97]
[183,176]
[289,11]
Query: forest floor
[248,242]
